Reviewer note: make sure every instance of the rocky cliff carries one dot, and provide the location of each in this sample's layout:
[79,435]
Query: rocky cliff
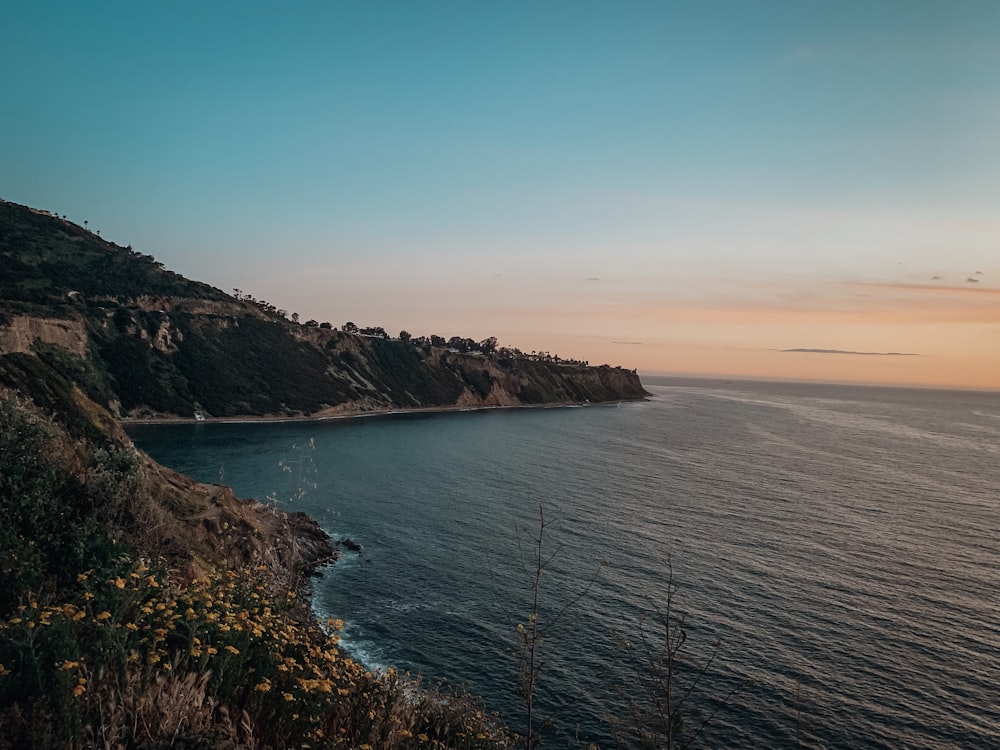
[195,528]
[146,342]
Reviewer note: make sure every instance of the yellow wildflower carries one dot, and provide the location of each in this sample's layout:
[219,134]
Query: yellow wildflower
[232,649]
[105,615]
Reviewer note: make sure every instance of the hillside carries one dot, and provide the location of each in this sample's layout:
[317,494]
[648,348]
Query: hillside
[141,609]
[146,342]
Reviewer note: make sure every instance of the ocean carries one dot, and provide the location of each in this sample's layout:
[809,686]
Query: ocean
[833,553]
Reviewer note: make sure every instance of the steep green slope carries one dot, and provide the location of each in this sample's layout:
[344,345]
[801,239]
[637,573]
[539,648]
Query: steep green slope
[145,341]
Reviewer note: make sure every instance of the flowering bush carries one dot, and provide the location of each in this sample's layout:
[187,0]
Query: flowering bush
[78,667]
[102,647]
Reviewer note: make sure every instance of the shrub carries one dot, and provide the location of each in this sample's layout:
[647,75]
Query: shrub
[127,643]
[48,531]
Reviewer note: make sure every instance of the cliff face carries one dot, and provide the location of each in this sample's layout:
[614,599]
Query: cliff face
[20,334]
[146,342]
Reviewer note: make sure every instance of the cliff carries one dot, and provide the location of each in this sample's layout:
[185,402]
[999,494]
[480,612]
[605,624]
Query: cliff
[194,528]
[146,342]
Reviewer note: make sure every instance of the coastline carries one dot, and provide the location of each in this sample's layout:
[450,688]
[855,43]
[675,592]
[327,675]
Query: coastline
[125,422]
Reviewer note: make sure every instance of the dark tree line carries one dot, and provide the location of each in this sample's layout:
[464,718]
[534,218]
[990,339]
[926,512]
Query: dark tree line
[487,347]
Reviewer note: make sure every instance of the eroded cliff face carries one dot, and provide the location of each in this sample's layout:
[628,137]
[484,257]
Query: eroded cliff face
[145,342]
[142,361]
[20,334]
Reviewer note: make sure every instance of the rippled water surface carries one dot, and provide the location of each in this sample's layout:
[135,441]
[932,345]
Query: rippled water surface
[834,547]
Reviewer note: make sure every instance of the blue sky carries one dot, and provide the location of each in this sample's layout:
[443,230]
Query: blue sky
[719,181]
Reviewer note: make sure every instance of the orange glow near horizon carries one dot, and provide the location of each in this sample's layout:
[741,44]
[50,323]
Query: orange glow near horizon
[902,334]
[771,364]
[950,333]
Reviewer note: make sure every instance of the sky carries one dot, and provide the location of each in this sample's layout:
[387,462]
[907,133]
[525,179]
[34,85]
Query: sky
[791,190]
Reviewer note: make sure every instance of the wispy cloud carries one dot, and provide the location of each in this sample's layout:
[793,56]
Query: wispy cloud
[627,342]
[847,351]
[935,288]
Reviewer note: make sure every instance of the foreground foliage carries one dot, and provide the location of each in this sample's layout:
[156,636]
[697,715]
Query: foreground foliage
[129,658]
[100,647]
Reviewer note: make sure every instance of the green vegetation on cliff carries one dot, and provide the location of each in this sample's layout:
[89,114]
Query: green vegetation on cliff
[145,341]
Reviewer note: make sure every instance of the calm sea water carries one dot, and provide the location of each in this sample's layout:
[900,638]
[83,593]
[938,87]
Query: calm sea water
[836,552]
